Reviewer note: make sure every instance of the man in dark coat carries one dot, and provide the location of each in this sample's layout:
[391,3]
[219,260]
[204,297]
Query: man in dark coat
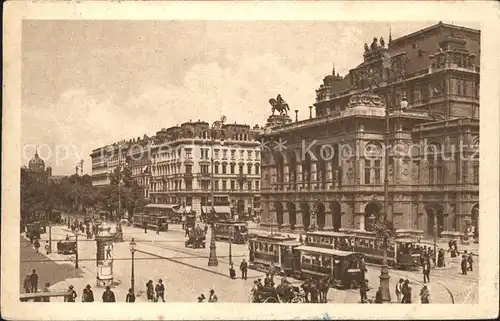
[88,294]
[150,291]
[426,270]
[108,295]
[72,295]
[130,296]
[244,269]
[34,282]
[463,265]
[470,260]
[160,291]
[378,296]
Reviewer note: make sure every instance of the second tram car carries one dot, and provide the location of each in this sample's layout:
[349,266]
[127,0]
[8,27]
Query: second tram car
[237,231]
[401,252]
[152,221]
[272,252]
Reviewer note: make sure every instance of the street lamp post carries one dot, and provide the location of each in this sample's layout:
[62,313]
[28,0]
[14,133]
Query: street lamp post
[49,250]
[212,259]
[231,245]
[76,246]
[384,272]
[132,245]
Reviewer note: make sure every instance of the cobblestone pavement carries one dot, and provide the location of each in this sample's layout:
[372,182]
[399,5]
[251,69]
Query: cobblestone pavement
[186,273]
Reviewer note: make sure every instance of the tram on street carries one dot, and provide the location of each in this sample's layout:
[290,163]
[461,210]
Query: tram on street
[236,231]
[272,252]
[401,252]
[341,266]
[152,221]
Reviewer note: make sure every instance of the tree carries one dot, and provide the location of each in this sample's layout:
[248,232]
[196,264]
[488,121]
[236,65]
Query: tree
[124,187]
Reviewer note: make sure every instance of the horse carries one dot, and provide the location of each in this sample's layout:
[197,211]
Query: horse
[323,287]
[281,107]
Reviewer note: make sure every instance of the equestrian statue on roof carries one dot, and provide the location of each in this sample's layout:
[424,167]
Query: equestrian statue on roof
[280,105]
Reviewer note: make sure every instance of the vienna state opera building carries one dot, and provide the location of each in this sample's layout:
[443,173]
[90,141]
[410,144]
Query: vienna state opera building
[421,92]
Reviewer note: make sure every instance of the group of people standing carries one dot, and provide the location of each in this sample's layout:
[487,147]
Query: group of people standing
[212,298]
[88,295]
[155,293]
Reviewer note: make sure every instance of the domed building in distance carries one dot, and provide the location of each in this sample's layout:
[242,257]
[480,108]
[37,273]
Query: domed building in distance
[36,171]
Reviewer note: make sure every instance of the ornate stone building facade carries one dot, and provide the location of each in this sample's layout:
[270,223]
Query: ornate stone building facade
[182,171]
[327,172]
[174,167]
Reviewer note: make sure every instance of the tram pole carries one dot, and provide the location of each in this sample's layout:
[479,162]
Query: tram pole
[384,272]
[76,252]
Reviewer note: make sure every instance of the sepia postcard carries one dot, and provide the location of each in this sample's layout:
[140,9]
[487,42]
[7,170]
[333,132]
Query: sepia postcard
[202,159]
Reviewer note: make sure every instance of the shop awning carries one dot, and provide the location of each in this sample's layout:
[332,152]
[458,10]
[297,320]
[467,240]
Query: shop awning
[163,206]
[185,209]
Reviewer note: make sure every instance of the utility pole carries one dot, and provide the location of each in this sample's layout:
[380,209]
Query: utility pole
[384,272]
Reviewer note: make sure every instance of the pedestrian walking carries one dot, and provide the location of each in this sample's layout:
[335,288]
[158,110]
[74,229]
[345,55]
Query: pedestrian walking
[34,282]
[378,296]
[201,298]
[399,289]
[150,292]
[441,258]
[108,295]
[213,298]
[363,290]
[71,296]
[244,269]
[46,290]
[37,245]
[463,265]
[27,284]
[145,226]
[313,290]
[232,272]
[88,294]
[158,229]
[130,296]
[362,267]
[424,294]
[470,260]
[406,290]
[426,271]
[160,291]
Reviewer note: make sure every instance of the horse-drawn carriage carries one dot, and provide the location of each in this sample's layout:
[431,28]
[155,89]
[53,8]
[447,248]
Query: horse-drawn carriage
[196,238]
[283,293]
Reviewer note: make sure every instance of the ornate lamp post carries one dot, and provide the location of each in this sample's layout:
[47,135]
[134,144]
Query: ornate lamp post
[132,245]
[76,245]
[381,226]
[216,127]
[231,231]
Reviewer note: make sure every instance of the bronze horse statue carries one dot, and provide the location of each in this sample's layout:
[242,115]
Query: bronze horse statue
[280,105]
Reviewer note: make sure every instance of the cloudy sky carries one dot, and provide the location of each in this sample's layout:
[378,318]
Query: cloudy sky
[90,83]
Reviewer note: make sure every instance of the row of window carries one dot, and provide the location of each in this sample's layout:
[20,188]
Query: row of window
[205,185]
[205,169]
[372,171]
[205,154]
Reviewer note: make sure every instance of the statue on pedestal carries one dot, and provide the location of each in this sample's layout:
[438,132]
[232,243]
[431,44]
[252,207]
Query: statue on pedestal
[280,105]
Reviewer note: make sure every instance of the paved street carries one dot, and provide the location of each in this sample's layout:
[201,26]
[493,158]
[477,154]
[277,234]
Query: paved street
[185,271]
